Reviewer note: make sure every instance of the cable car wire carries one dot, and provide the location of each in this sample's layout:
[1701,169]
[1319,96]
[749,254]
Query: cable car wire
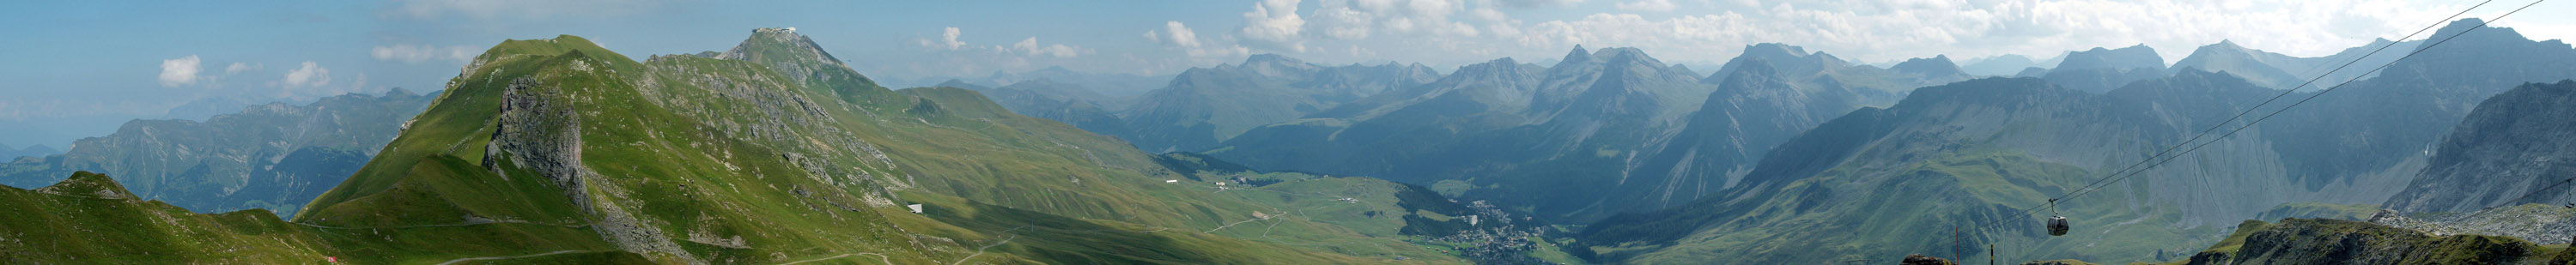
[1982,227]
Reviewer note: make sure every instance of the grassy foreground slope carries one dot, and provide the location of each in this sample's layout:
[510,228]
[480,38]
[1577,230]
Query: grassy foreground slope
[90,218]
[2330,241]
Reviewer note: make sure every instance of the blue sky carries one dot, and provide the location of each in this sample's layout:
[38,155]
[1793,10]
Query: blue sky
[79,68]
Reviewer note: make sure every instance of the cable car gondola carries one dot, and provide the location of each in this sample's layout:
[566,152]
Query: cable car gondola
[2056,224]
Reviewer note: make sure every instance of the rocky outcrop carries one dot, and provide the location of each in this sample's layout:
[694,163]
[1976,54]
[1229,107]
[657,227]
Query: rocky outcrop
[536,133]
[2542,224]
[2327,241]
[2505,153]
[539,131]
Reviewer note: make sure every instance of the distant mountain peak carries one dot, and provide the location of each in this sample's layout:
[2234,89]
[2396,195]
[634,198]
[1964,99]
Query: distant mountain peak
[1938,65]
[1274,66]
[2473,30]
[1270,58]
[784,40]
[1504,67]
[2134,56]
[1578,55]
[1787,59]
[793,55]
[1627,55]
[1775,48]
[952,82]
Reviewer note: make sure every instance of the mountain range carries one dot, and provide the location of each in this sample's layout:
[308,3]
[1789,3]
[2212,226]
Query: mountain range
[1958,155]
[1203,106]
[774,151]
[31,150]
[557,149]
[1600,132]
[275,156]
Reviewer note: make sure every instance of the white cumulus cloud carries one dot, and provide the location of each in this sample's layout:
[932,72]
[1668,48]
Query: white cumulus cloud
[948,39]
[1538,3]
[1275,23]
[419,53]
[179,72]
[1647,5]
[237,68]
[311,75]
[1030,46]
[1174,34]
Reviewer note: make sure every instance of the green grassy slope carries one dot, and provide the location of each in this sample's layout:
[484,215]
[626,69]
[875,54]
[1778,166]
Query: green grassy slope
[557,145]
[1834,217]
[490,161]
[92,219]
[89,218]
[558,151]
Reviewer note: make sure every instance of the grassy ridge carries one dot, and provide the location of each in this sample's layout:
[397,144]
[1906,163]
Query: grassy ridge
[89,218]
[684,158]
[2331,241]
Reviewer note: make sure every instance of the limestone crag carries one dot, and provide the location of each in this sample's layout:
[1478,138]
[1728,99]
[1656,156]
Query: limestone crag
[539,131]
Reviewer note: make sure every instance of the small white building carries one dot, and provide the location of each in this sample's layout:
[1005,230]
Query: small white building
[916,208]
[1171,181]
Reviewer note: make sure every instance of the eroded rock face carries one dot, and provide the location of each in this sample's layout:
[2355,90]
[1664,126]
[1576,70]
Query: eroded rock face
[539,131]
[2513,144]
[537,134]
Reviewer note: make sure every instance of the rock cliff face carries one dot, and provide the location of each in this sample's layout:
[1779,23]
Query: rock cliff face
[274,156]
[2327,241]
[2515,144]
